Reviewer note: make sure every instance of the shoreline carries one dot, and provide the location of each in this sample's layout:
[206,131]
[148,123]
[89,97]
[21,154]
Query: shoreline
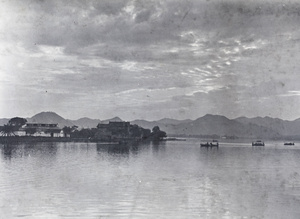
[22,139]
[16,139]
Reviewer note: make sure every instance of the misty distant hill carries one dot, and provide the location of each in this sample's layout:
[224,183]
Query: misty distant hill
[92,123]
[168,121]
[3,121]
[284,127]
[146,124]
[86,122]
[162,123]
[222,126]
[51,117]
[243,127]
[212,125]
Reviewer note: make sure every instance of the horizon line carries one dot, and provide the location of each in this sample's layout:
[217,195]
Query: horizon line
[207,114]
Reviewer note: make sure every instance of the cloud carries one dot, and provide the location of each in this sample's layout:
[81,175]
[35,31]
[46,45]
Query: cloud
[186,57]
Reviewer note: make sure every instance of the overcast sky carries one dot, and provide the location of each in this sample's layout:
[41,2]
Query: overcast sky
[150,59]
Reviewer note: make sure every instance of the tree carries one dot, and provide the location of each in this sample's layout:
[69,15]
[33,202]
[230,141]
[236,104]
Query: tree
[155,129]
[146,133]
[67,130]
[135,131]
[160,135]
[84,133]
[17,122]
[157,134]
[31,131]
[7,130]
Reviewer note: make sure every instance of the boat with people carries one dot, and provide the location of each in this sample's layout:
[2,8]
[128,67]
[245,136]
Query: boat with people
[258,143]
[289,143]
[213,143]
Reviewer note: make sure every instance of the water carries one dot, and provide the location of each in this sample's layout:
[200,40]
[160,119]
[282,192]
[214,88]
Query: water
[169,180]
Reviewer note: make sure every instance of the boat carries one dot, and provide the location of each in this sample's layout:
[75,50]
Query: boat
[258,143]
[289,143]
[213,143]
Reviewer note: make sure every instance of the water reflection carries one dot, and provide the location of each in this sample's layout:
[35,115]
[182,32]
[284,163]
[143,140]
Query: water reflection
[148,180]
[130,148]
[209,148]
[8,150]
[15,150]
[114,149]
[159,146]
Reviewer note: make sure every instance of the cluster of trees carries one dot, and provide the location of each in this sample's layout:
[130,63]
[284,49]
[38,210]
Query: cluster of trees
[157,134]
[138,132]
[83,133]
[135,131]
[13,125]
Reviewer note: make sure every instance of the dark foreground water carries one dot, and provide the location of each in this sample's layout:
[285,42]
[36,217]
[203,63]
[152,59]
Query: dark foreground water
[170,180]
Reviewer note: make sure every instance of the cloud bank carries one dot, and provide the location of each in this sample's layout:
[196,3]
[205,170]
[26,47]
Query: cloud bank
[150,59]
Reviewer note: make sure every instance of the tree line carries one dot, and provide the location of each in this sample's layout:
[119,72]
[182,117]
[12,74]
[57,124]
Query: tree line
[135,131]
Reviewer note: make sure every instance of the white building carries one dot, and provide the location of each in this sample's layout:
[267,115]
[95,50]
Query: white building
[41,129]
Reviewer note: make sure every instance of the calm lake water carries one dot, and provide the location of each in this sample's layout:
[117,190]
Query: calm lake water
[169,180]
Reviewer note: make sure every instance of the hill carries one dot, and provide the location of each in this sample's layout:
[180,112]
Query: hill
[3,121]
[86,122]
[222,126]
[50,117]
[146,124]
[208,125]
[284,127]
[115,119]
[168,121]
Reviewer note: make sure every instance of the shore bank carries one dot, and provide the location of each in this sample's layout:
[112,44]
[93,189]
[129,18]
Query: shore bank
[20,139]
[16,139]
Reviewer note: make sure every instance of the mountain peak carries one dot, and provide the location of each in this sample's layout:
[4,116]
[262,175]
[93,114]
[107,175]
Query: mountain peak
[211,116]
[115,119]
[172,121]
[47,114]
[50,117]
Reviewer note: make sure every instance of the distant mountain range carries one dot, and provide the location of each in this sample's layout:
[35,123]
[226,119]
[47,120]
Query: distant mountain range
[242,127]
[52,117]
[3,121]
[208,125]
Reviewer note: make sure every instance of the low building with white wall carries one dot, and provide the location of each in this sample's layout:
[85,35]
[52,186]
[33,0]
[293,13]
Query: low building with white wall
[42,130]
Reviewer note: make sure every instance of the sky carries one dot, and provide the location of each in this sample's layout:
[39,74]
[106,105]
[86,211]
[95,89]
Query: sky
[150,59]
